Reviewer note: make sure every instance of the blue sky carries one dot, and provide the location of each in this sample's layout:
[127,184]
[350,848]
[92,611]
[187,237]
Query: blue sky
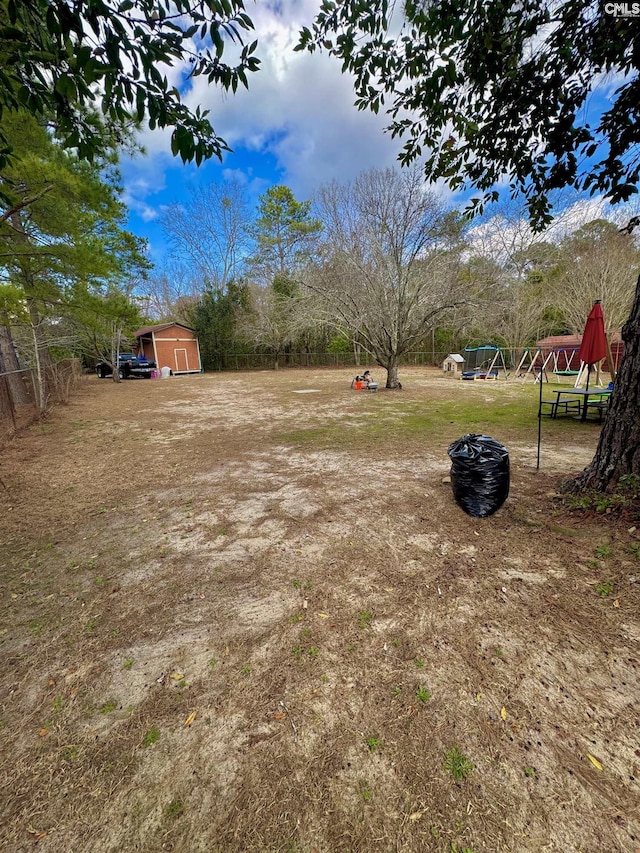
[296,125]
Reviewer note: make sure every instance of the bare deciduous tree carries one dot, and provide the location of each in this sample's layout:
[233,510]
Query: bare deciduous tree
[170,292]
[210,232]
[597,262]
[276,320]
[390,262]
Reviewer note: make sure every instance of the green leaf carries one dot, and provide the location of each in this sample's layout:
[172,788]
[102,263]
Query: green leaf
[217,40]
[66,87]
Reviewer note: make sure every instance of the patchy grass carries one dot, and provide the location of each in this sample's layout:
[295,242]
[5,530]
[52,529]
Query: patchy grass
[605,588]
[422,694]
[382,418]
[152,736]
[457,764]
[373,743]
[311,645]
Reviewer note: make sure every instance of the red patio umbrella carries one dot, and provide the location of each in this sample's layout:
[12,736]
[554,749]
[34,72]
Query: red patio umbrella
[592,349]
[594,343]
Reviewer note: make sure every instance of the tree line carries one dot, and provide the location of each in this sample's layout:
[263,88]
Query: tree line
[381,266]
[377,266]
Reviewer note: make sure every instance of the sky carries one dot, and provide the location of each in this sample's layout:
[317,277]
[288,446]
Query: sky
[296,125]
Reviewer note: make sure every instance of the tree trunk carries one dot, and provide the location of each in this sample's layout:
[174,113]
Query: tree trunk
[9,364]
[618,451]
[392,371]
[41,355]
[116,341]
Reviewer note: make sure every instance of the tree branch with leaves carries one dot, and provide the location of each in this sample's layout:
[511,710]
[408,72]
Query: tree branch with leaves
[63,60]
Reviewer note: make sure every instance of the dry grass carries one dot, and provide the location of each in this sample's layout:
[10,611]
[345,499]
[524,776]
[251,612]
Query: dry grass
[369,668]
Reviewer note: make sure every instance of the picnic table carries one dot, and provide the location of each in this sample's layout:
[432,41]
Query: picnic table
[578,400]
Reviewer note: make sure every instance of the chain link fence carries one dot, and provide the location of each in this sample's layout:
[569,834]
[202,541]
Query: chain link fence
[266,361]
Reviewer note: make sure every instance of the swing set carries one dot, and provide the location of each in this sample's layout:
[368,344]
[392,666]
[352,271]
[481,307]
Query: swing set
[561,361]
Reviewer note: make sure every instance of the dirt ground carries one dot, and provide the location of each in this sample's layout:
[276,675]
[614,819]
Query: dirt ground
[244,613]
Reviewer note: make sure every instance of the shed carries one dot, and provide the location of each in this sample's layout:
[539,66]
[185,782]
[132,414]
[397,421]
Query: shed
[564,349]
[170,345]
[452,362]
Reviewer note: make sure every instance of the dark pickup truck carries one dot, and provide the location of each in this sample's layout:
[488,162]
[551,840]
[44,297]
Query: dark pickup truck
[129,367]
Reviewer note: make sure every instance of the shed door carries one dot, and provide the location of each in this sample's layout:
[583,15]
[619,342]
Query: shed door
[180,356]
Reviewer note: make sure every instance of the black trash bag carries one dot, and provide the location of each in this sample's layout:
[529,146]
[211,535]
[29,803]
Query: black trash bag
[479,474]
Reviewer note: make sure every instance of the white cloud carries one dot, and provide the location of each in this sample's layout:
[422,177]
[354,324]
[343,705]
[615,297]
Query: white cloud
[299,108]
[297,112]
[508,231]
[144,210]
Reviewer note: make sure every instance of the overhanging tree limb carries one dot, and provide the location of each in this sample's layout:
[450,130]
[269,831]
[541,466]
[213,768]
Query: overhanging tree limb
[62,59]
[479,90]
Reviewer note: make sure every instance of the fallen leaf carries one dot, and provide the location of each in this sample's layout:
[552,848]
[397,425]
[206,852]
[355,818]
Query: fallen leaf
[38,834]
[52,682]
[279,716]
[503,713]
[43,732]
[417,815]
[190,719]
[478,697]
[616,603]
[323,615]
[594,761]
[177,676]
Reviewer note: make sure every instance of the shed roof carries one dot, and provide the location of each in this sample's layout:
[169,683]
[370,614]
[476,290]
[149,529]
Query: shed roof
[569,341]
[456,357]
[149,329]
